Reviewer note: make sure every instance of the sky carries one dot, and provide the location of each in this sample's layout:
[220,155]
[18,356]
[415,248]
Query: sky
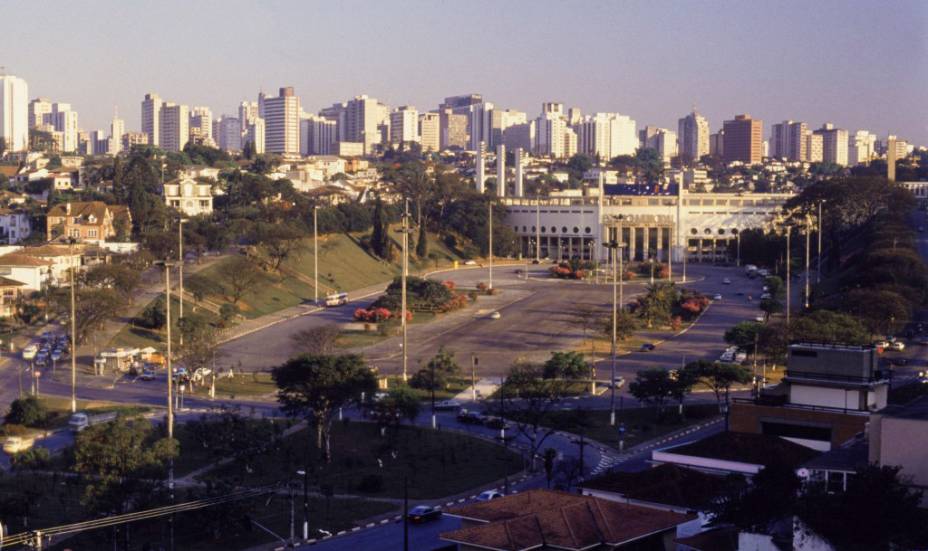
[857,63]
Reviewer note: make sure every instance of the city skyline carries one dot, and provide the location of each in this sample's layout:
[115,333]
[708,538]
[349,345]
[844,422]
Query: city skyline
[740,70]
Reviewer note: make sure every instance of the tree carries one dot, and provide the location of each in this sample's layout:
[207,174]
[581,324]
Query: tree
[316,340]
[648,164]
[94,307]
[682,383]
[238,277]
[719,377]
[879,510]
[744,334]
[316,386]
[550,456]
[278,242]
[28,411]
[200,343]
[422,245]
[154,315]
[566,365]
[530,398]
[380,238]
[626,324]
[113,455]
[657,304]
[652,386]
[400,403]
[120,277]
[770,496]
[227,313]
[829,327]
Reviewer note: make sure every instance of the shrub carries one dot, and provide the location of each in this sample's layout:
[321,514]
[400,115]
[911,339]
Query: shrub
[33,458]
[27,411]
[371,484]
[153,316]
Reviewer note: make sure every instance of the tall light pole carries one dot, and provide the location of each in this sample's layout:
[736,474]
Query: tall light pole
[403,299]
[818,263]
[73,340]
[316,255]
[614,250]
[788,254]
[537,229]
[490,210]
[180,279]
[738,259]
[808,248]
[170,377]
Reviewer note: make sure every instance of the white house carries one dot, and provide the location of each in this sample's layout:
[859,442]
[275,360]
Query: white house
[34,273]
[192,197]
[14,226]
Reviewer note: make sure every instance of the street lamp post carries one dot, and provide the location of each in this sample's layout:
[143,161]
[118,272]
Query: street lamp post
[73,342]
[180,279]
[788,293]
[305,474]
[403,298]
[818,263]
[490,209]
[537,229]
[315,255]
[615,248]
[170,378]
[808,248]
[738,259]
[434,420]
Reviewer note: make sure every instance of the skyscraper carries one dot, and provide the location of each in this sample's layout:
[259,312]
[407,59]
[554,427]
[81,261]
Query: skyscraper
[404,125]
[14,113]
[693,137]
[430,131]
[174,129]
[788,141]
[861,147]
[282,121]
[117,129]
[65,121]
[480,125]
[743,140]
[661,140]
[201,126]
[814,150]
[247,113]
[151,118]
[363,117]
[606,135]
[834,144]
[550,134]
[255,135]
[40,110]
[318,135]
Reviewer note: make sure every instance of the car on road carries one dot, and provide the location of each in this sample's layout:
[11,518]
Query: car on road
[489,495]
[619,382]
[922,341]
[41,359]
[766,296]
[759,319]
[470,262]
[56,355]
[726,281]
[467,417]
[647,347]
[447,405]
[883,344]
[423,513]
[148,374]
[495,315]
[717,296]
[30,351]
[922,377]
[898,346]
[17,444]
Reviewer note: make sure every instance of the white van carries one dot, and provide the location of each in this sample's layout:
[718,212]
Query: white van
[336,299]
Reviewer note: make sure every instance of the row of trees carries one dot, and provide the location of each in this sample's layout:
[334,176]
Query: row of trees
[657,386]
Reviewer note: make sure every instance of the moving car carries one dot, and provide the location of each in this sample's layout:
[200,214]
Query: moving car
[30,351]
[717,296]
[489,495]
[759,319]
[336,299]
[726,281]
[148,374]
[469,417]
[898,346]
[447,405]
[647,347]
[423,513]
[495,315]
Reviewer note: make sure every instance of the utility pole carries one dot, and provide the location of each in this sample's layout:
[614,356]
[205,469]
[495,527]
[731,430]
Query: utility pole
[473,377]
[614,250]
[180,279]
[738,238]
[434,420]
[537,229]
[167,306]
[305,474]
[316,256]
[808,237]
[405,273]
[788,295]
[686,251]
[73,342]
[818,263]
[502,410]
[405,513]
[490,208]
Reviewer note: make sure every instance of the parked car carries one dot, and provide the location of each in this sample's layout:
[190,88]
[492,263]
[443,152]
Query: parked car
[423,513]
[489,495]
[56,355]
[80,420]
[647,347]
[148,374]
[17,444]
[717,296]
[447,405]
[898,346]
[469,417]
[30,351]
[766,296]
[495,315]
[759,319]
[726,281]
[883,344]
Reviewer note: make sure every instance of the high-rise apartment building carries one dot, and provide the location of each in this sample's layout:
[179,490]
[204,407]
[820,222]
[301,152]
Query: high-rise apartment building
[550,134]
[229,134]
[834,144]
[174,130]
[201,126]
[661,140]
[861,148]
[520,136]
[453,129]
[430,131]
[132,139]
[247,113]
[65,121]
[319,136]
[743,140]
[117,129]
[814,148]
[14,113]
[404,125]
[364,117]
[151,118]
[693,137]
[503,119]
[282,121]
[606,135]
[40,110]
[255,135]
[788,141]
[480,125]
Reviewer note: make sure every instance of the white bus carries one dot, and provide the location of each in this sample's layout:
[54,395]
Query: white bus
[336,299]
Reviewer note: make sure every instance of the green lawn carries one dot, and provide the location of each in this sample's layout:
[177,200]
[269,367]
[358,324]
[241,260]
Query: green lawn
[641,424]
[455,386]
[243,385]
[362,338]
[437,463]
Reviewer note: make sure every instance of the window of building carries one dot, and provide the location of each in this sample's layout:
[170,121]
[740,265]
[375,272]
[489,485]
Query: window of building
[721,231]
[534,229]
[563,229]
[554,229]
[708,231]
[91,233]
[694,231]
[587,230]
[543,229]
[576,229]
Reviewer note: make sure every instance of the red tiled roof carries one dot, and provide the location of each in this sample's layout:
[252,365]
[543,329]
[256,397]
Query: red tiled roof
[567,521]
[20,259]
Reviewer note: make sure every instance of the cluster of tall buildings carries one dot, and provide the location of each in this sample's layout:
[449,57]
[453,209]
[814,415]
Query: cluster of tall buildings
[363,126]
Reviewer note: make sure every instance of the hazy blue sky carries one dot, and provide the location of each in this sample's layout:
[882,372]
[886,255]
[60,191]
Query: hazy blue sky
[859,64]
